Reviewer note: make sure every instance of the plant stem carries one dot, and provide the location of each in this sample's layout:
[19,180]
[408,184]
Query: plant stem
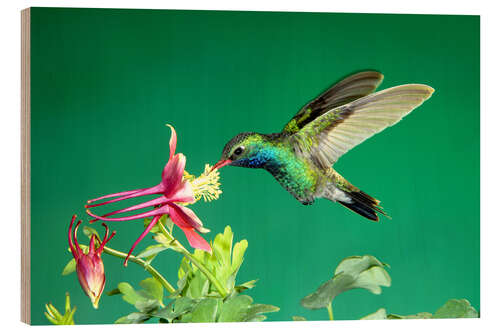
[143,264]
[222,291]
[330,311]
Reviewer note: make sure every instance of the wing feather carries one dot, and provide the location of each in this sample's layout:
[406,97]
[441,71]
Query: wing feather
[329,136]
[349,89]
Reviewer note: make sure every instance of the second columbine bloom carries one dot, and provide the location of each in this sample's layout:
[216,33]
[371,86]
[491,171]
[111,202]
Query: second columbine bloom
[175,192]
[89,266]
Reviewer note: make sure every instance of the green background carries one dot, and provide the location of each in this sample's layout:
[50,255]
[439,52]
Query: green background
[105,83]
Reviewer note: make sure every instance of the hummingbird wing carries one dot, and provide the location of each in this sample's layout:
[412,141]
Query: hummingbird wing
[335,132]
[349,89]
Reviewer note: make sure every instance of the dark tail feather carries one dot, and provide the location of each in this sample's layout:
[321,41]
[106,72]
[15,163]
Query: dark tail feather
[363,204]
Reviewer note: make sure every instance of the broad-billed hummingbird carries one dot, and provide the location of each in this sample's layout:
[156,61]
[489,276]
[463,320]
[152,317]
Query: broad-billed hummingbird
[300,157]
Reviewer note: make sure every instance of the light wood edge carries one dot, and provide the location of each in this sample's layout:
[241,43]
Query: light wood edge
[25,169]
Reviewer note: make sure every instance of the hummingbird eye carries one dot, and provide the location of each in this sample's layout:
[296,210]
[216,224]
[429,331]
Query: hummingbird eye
[238,151]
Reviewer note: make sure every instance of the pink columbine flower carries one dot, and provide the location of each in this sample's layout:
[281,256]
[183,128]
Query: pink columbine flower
[174,191]
[89,267]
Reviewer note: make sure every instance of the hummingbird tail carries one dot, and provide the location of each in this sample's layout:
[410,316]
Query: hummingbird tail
[348,195]
[363,204]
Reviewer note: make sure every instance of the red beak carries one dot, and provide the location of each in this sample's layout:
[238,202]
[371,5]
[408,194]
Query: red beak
[220,164]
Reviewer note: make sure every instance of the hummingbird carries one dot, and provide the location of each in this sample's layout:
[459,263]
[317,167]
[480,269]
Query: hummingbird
[302,155]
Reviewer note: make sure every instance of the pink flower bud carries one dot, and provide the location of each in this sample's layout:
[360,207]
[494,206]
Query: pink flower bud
[89,267]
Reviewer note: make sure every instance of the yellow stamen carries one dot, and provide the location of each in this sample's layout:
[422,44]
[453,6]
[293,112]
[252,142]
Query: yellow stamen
[205,186]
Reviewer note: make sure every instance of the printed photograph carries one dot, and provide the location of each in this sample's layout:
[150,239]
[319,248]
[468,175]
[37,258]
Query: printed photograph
[194,166]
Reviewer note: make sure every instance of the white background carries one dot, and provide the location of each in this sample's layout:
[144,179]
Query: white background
[490,168]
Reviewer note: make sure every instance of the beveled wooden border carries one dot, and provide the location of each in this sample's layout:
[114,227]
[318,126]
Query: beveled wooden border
[25,169]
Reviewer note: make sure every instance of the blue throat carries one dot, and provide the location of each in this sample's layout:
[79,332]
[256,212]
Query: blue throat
[265,158]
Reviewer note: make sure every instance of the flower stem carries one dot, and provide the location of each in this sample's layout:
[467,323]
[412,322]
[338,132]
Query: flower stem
[330,311]
[222,291]
[143,264]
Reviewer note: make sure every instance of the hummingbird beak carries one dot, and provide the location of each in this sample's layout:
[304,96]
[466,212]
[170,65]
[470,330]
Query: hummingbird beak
[220,164]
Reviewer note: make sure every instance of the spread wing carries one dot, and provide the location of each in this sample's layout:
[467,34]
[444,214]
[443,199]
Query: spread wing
[335,132]
[347,90]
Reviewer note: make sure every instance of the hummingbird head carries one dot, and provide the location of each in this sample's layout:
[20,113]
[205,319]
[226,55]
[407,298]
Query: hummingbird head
[244,150]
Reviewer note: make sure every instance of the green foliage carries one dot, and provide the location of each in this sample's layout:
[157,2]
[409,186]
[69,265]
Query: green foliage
[88,231]
[456,308]
[420,315]
[146,299]
[70,267]
[365,272]
[379,314]
[224,263]
[453,308]
[56,318]
[165,220]
[196,298]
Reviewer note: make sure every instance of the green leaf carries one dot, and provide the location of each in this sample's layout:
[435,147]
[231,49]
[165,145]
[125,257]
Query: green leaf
[378,315]
[245,286]
[153,288]
[198,285]
[145,300]
[133,318]
[168,223]
[70,267]
[238,253]
[299,318]
[129,294]
[456,308]
[113,292]
[325,294]
[181,285]
[155,229]
[371,280]
[254,311]
[222,246]
[184,268]
[88,231]
[177,308]
[56,318]
[169,244]
[420,315]
[204,312]
[147,305]
[235,309]
[150,252]
[364,272]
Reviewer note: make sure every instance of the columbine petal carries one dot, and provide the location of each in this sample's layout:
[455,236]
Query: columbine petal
[153,202]
[72,246]
[173,141]
[184,217]
[196,241]
[90,272]
[159,211]
[75,241]
[171,177]
[158,189]
[184,193]
[105,239]
[144,233]
[115,195]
